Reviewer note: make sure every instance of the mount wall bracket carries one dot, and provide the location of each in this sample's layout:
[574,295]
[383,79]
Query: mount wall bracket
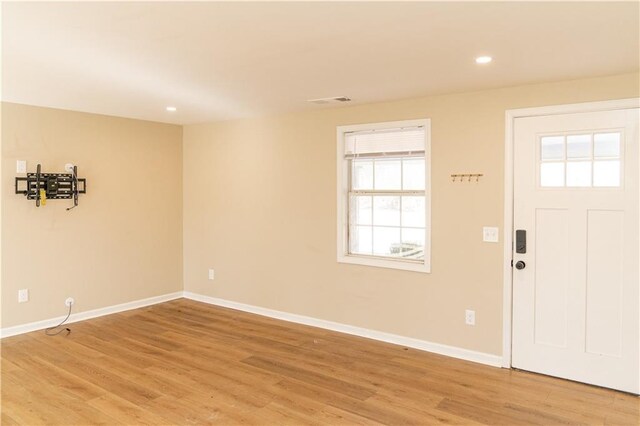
[56,186]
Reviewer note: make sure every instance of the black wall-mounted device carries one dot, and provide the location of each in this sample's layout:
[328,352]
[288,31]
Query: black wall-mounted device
[40,186]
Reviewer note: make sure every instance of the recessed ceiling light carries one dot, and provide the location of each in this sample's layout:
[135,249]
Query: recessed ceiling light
[172,109]
[483,59]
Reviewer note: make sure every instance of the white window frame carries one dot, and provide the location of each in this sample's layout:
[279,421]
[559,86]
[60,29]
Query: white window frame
[343,206]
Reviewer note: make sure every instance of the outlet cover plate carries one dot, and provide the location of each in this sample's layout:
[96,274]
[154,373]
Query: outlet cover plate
[470,317]
[23,295]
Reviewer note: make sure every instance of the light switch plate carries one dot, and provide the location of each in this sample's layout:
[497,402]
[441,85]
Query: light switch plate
[21,166]
[490,234]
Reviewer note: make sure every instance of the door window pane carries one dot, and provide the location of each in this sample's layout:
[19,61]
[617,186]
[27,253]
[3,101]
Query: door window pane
[606,145]
[362,177]
[413,174]
[552,174]
[606,173]
[386,241]
[387,174]
[579,146]
[579,173]
[552,147]
[361,210]
[413,211]
[386,210]
[360,240]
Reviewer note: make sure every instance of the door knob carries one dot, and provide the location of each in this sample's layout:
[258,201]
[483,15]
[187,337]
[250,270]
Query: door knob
[520,264]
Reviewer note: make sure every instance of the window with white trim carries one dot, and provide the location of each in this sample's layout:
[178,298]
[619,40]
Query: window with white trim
[383,195]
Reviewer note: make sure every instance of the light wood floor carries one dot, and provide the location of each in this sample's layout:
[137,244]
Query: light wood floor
[184,362]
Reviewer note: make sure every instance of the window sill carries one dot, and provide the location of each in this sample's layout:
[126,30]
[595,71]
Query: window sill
[384,263]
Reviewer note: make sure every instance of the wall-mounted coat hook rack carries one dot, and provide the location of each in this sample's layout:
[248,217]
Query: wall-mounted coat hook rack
[40,186]
[466,177]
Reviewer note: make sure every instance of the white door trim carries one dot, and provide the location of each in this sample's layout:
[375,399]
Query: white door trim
[510,116]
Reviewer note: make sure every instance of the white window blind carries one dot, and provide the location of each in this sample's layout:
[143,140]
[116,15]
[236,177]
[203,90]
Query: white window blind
[405,141]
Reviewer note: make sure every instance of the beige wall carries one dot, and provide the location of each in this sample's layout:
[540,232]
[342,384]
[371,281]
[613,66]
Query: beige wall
[123,242]
[260,208]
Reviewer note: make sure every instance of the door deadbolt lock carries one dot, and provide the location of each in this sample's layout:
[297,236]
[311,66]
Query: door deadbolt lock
[520,265]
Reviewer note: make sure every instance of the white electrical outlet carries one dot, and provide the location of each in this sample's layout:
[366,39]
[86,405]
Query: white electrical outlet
[211,274]
[21,166]
[470,317]
[490,234]
[69,302]
[23,295]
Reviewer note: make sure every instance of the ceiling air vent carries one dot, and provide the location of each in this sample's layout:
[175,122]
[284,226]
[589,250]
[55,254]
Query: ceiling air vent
[322,101]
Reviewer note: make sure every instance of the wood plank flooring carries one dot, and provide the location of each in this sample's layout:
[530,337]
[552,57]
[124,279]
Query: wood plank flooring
[185,363]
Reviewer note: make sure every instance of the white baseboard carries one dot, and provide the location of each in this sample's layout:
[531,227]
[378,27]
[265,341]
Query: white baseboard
[452,351]
[81,316]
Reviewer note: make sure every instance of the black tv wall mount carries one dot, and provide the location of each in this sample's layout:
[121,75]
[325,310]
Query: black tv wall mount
[40,186]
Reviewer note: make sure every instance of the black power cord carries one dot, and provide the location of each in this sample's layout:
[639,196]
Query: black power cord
[48,331]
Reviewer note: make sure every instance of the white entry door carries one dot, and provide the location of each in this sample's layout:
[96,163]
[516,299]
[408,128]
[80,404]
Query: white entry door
[575,290]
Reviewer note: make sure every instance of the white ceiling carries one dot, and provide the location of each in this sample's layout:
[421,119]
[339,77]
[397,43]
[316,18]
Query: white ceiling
[217,61]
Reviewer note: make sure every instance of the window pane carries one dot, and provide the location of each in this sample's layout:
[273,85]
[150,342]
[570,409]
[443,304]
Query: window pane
[552,174]
[386,210]
[606,173]
[412,243]
[579,173]
[386,241]
[413,211]
[361,211]
[387,174]
[360,240]
[362,177]
[606,145]
[579,146]
[413,173]
[552,147]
